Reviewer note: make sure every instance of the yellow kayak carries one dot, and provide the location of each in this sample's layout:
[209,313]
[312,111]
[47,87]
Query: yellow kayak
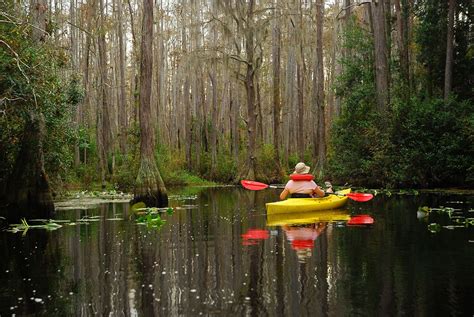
[308,204]
[300,218]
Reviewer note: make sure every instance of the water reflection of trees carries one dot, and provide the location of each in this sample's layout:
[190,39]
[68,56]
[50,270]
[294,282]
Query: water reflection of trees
[196,263]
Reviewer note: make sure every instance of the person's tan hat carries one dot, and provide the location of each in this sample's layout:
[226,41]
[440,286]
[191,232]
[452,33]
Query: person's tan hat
[301,168]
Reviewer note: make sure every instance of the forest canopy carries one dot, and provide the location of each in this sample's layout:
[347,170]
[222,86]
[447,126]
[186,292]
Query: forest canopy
[367,93]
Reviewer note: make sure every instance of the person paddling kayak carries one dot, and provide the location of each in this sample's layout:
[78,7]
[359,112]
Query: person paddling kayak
[301,184]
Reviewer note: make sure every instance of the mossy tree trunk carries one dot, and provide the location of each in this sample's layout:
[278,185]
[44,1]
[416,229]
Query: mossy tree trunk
[149,186]
[28,193]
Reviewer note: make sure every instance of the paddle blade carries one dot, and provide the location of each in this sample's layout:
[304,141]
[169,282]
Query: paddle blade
[256,234]
[252,185]
[360,220]
[360,196]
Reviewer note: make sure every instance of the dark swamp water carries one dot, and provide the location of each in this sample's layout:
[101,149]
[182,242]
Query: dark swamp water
[199,263]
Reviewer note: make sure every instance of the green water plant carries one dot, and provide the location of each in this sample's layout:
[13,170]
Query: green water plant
[434,227]
[24,226]
[441,210]
[457,218]
[147,210]
[151,220]
[464,222]
[151,216]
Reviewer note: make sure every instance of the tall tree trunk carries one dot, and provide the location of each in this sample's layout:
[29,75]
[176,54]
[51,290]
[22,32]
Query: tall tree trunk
[300,75]
[234,117]
[86,104]
[288,122]
[381,55]
[103,128]
[318,91]
[149,186]
[250,90]
[28,192]
[214,126]
[160,73]
[402,13]
[259,123]
[196,127]
[38,10]
[74,64]
[346,51]
[448,71]
[338,29]
[188,124]
[135,65]
[348,11]
[276,48]
[300,101]
[214,117]
[122,101]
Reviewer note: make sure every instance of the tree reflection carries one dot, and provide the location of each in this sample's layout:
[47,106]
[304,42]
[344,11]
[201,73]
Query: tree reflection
[301,265]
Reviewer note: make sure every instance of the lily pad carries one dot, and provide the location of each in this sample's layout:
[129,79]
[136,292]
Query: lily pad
[434,227]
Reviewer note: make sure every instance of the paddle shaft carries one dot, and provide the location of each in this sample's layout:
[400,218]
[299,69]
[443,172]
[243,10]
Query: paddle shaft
[253,185]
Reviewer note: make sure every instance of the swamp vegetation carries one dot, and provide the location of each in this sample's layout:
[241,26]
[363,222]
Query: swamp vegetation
[135,96]
[106,106]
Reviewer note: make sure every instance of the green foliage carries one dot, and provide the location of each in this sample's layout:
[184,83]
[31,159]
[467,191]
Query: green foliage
[267,164]
[356,142]
[420,142]
[30,83]
[151,217]
[430,38]
[432,143]
[225,169]
[125,171]
[430,35]
[172,166]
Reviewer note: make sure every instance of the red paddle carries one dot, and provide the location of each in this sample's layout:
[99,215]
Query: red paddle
[253,185]
[360,220]
[361,197]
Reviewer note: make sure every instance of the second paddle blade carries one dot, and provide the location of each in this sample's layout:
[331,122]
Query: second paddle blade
[360,196]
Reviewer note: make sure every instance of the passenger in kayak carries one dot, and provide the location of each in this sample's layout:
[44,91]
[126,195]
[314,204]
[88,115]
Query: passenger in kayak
[301,188]
[329,189]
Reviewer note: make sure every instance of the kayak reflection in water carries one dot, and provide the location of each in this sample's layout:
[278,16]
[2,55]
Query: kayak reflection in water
[302,238]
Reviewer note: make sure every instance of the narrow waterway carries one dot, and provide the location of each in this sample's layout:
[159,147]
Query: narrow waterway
[219,254]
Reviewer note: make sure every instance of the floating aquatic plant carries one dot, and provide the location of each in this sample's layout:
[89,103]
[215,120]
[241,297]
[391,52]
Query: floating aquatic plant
[151,220]
[457,217]
[441,210]
[183,197]
[151,216]
[148,210]
[24,226]
[464,222]
[87,219]
[434,227]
